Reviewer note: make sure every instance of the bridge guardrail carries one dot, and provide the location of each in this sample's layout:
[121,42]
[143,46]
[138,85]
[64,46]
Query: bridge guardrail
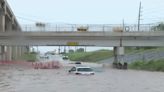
[90,27]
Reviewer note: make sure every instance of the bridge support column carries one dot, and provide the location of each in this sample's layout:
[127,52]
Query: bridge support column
[2,29]
[118,54]
[2,52]
[14,53]
[8,51]
[22,51]
[19,52]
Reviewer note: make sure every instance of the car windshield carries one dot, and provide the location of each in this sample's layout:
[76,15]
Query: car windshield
[84,69]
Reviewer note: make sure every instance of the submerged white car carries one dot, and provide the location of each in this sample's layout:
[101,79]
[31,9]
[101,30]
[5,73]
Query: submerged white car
[81,70]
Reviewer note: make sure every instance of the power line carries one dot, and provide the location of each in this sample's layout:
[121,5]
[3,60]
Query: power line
[27,19]
[150,15]
[153,17]
[32,17]
[154,8]
[154,12]
[33,20]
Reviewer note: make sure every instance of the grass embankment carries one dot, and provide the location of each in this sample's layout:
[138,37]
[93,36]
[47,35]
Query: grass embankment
[153,65]
[100,55]
[29,57]
[94,56]
[142,50]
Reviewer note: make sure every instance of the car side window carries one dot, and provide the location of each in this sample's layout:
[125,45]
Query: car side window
[73,69]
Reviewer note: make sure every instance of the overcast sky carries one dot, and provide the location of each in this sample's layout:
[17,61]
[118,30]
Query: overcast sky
[86,12]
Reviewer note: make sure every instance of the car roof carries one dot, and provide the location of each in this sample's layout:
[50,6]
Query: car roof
[81,66]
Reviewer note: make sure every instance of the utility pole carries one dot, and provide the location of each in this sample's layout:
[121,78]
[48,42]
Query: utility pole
[139,16]
[59,50]
[123,25]
[64,49]
[85,49]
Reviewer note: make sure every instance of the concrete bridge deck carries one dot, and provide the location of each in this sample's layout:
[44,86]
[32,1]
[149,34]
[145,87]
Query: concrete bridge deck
[90,38]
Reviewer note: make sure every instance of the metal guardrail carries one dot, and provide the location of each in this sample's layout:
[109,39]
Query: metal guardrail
[89,27]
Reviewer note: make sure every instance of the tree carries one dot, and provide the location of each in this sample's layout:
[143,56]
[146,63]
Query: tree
[80,50]
[160,27]
[71,51]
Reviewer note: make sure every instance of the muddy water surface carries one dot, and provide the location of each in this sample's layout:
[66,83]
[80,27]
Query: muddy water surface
[20,79]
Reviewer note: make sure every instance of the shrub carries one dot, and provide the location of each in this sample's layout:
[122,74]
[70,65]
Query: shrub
[153,65]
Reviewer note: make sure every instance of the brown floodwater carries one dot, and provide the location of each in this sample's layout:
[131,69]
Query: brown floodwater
[15,78]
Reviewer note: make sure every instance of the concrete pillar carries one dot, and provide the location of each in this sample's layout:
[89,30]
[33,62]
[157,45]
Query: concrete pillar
[18,52]
[118,54]
[115,55]
[22,50]
[2,23]
[2,29]
[14,52]
[2,52]
[8,51]
[9,25]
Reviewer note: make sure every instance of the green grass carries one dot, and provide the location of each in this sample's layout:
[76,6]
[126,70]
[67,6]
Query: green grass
[153,65]
[90,56]
[142,50]
[100,55]
[29,57]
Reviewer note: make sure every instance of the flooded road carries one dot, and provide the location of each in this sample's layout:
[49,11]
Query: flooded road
[20,79]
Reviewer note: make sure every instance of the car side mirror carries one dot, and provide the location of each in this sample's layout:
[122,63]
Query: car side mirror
[69,71]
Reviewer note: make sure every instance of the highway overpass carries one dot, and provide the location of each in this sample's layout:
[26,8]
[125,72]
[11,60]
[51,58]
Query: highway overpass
[8,22]
[88,38]
[14,42]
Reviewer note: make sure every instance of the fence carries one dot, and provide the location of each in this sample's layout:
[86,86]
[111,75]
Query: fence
[88,27]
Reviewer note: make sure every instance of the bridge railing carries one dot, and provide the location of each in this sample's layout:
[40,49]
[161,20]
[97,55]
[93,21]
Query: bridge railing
[88,27]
